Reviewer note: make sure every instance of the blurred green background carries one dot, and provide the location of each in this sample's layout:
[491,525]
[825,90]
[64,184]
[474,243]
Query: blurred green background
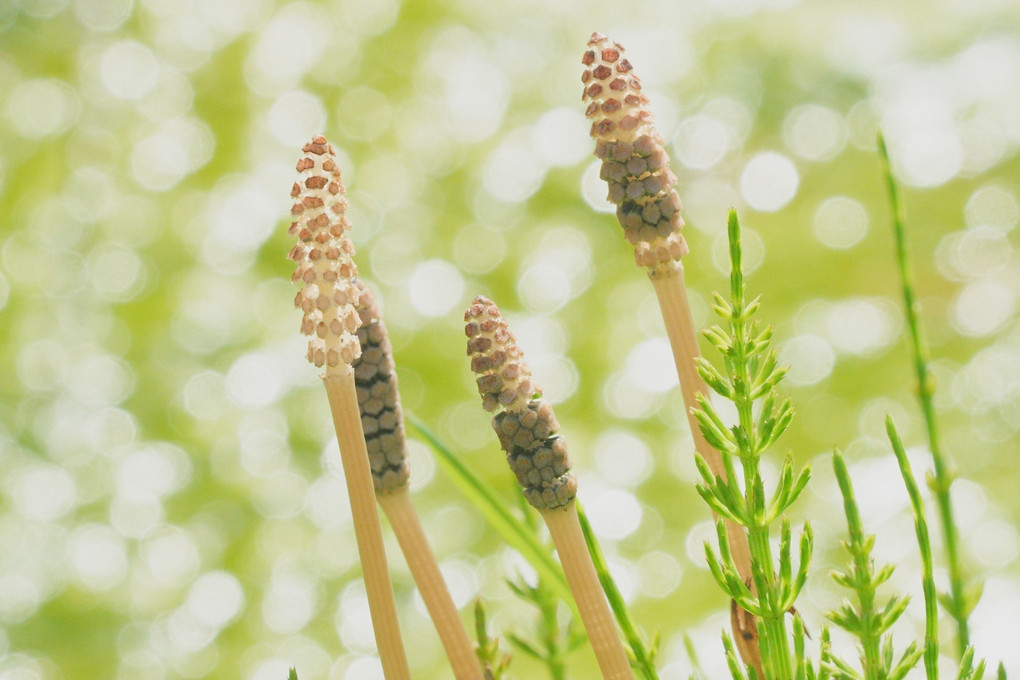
[171,505]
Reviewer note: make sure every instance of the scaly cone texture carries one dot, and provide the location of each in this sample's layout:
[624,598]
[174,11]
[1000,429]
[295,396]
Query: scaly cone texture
[328,299]
[323,256]
[527,428]
[634,162]
[378,398]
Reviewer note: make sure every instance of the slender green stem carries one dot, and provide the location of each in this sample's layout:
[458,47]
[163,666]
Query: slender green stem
[943,470]
[550,634]
[638,646]
[772,626]
[931,612]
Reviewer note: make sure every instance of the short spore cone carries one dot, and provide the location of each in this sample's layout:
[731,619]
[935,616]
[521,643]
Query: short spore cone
[526,427]
[376,379]
[323,252]
[503,379]
[634,160]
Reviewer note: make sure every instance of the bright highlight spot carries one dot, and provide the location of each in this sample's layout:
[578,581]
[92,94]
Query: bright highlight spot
[701,141]
[995,543]
[622,458]
[513,173]
[44,492]
[350,619]
[983,307]
[255,380]
[973,253]
[163,159]
[290,44]
[810,358]
[155,471]
[992,206]
[171,556]
[102,15]
[560,137]
[560,268]
[658,574]
[435,287]
[42,107]
[98,557]
[644,365]
[769,181]
[129,70]
[477,94]
[295,117]
[998,605]
[861,326]
[815,133]
[215,599]
[929,153]
[614,513]
[840,222]
[19,598]
[289,604]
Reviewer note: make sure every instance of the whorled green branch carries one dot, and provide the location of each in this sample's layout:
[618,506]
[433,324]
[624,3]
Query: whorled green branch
[749,378]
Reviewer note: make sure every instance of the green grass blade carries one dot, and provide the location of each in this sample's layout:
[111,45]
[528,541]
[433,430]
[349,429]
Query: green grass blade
[638,646]
[957,605]
[515,532]
[931,611]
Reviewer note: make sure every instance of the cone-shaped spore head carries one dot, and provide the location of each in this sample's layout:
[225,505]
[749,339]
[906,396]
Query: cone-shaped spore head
[503,377]
[375,377]
[634,159]
[323,252]
[527,428]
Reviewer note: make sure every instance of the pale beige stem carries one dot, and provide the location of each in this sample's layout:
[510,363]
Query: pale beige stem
[422,563]
[565,529]
[343,402]
[676,313]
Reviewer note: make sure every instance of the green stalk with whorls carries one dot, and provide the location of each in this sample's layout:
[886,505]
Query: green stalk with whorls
[866,619]
[749,379]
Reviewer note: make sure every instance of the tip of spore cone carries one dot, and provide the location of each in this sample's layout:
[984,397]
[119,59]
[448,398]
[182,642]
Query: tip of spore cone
[634,160]
[328,298]
[527,428]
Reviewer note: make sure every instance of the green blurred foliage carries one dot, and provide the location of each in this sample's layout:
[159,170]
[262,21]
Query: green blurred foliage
[170,502]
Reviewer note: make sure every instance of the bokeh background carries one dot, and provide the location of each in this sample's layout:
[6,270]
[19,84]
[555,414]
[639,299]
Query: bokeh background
[170,503]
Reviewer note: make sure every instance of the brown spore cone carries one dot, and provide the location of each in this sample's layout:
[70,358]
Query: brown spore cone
[375,379]
[635,164]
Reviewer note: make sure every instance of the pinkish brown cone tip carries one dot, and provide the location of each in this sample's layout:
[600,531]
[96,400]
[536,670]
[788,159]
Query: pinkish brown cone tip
[527,428]
[323,252]
[634,159]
